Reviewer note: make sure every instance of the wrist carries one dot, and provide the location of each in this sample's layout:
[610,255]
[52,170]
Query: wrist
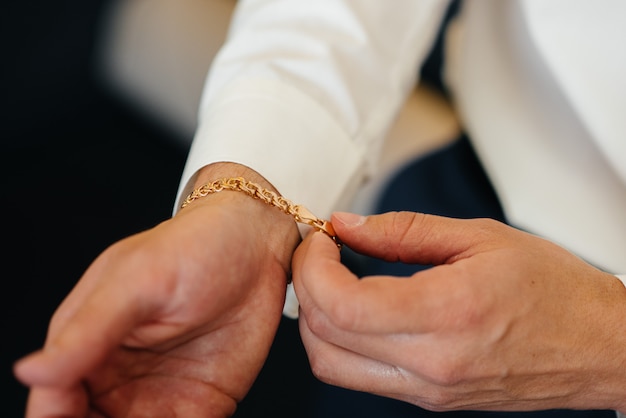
[620,292]
[611,354]
[229,169]
[275,230]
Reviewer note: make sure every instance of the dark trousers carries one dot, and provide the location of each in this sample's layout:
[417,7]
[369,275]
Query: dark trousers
[448,182]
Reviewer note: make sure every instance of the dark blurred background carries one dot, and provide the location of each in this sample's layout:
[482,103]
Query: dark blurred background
[82,169]
[79,169]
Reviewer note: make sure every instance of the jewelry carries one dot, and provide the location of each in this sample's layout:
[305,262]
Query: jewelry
[239,184]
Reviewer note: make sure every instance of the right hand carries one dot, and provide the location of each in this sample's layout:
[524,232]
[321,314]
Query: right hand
[503,320]
[173,321]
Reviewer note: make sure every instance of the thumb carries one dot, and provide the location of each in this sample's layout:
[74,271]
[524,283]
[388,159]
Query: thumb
[412,237]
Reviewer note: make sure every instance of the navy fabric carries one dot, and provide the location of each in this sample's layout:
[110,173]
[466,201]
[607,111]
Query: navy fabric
[448,182]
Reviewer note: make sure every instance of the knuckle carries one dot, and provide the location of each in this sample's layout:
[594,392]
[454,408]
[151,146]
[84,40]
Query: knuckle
[446,375]
[338,318]
[399,232]
[320,367]
[404,222]
[487,228]
[344,316]
[318,325]
[440,401]
[447,370]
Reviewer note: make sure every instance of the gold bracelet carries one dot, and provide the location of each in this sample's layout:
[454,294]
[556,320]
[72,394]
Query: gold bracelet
[239,184]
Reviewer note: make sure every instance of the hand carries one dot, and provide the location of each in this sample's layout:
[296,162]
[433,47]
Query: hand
[504,321]
[174,321]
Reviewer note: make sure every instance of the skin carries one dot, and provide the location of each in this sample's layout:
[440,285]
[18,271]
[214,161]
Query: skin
[175,321]
[505,320]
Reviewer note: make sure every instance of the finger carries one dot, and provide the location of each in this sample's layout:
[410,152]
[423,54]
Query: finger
[428,300]
[338,366]
[45,402]
[99,325]
[412,237]
[376,313]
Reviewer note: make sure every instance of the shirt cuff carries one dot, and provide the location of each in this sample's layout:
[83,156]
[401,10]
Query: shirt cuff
[283,135]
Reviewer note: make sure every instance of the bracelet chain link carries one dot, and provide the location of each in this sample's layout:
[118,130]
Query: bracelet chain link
[298,212]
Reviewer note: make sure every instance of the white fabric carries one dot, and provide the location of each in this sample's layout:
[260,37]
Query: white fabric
[328,77]
[525,77]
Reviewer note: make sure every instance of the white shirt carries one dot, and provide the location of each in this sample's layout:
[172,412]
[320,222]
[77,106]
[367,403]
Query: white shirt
[304,95]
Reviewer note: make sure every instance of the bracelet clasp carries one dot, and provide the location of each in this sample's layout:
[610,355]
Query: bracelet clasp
[305,216]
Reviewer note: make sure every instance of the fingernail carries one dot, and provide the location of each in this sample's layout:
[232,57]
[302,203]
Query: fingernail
[349,219]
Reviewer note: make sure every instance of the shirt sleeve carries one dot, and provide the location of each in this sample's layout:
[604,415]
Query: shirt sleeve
[303,92]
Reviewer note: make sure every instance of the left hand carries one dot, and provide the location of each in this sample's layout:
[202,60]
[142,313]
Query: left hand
[175,321]
[503,321]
